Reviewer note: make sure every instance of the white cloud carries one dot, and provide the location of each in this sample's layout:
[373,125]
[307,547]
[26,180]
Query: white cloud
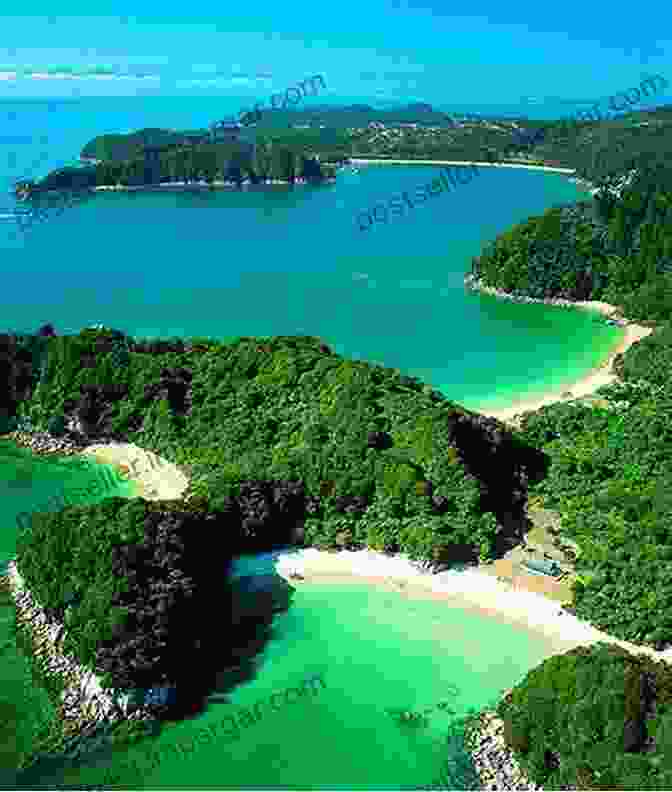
[54,75]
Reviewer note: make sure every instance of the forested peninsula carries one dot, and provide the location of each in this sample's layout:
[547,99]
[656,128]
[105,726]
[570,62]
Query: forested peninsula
[155,157]
[288,443]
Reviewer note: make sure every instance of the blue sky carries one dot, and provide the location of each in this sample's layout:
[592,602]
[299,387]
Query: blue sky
[502,53]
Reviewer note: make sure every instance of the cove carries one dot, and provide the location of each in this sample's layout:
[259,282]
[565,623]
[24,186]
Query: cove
[378,652]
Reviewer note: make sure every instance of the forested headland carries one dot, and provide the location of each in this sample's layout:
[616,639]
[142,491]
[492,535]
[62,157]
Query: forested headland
[124,160]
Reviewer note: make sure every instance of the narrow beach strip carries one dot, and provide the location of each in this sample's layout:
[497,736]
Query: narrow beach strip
[601,375]
[200,185]
[461,162]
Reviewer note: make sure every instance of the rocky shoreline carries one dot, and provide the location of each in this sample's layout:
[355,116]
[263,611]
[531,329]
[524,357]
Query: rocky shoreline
[45,444]
[493,761]
[473,283]
[84,703]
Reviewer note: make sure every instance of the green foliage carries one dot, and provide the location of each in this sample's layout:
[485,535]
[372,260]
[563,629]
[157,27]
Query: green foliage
[610,463]
[180,159]
[651,300]
[575,707]
[70,551]
[279,408]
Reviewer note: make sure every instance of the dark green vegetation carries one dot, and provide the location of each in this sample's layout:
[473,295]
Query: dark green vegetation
[618,250]
[593,718]
[600,719]
[179,157]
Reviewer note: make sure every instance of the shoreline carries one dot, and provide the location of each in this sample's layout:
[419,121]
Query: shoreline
[586,385]
[218,184]
[84,702]
[550,168]
[470,588]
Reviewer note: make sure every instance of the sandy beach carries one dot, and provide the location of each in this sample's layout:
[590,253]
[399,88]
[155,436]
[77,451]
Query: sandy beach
[155,477]
[461,162]
[469,588]
[602,375]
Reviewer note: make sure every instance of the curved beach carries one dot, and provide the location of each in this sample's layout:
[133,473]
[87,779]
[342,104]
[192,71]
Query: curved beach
[470,588]
[461,162]
[601,375]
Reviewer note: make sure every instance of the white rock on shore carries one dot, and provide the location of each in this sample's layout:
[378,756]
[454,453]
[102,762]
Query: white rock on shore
[84,702]
[495,764]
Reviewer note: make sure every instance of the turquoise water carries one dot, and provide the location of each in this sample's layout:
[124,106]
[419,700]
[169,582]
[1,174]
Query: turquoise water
[376,651]
[283,261]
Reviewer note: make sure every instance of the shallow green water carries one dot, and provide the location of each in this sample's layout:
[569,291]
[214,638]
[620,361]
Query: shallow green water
[376,651]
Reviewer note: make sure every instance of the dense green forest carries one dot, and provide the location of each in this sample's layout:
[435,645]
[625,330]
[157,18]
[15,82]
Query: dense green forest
[593,718]
[123,161]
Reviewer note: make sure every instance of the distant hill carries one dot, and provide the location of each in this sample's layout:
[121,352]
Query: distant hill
[117,147]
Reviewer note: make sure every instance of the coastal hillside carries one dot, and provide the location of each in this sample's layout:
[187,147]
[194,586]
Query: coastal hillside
[598,718]
[601,719]
[610,472]
[182,157]
[616,248]
[285,443]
